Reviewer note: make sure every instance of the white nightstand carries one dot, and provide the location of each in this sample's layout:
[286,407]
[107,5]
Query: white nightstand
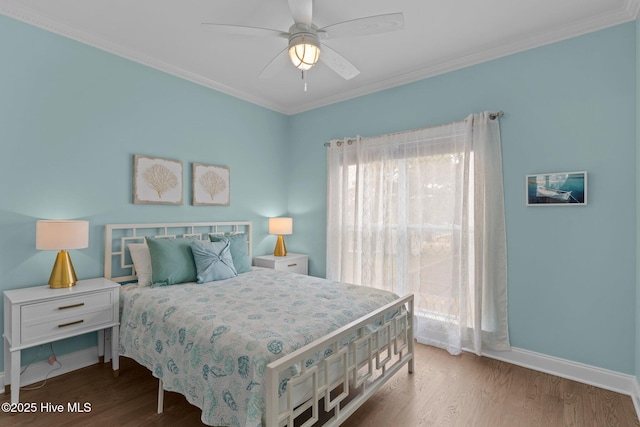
[293,263]
[40,315]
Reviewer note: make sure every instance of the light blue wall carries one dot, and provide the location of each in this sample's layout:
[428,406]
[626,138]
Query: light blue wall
[71,119]
[569,106]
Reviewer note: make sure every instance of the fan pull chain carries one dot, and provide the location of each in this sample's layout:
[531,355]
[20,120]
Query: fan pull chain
[305,81]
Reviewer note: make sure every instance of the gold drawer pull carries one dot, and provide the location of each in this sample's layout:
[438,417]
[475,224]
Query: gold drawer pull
[71,306]
[70,323]
[292,265]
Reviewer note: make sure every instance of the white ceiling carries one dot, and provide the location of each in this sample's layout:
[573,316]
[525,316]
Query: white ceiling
[438,36]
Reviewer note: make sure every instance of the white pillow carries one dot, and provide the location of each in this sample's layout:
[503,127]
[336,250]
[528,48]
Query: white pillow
[141,262]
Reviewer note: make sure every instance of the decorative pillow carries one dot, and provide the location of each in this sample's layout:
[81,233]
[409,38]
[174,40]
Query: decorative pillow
[171,261]
[213,261]
[239,250]
[141,262]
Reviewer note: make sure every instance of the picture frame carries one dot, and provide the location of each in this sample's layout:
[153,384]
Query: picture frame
[157,181]
[556,189]
[210,185]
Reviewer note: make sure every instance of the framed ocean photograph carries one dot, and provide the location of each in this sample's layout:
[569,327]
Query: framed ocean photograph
[557,189]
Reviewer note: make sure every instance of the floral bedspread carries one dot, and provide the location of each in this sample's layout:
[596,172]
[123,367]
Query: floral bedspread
[212,342]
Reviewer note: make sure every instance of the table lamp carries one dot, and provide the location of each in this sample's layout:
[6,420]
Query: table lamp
[60,235]
[280,226]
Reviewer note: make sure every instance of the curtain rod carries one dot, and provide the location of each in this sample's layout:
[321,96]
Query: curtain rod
[492,116]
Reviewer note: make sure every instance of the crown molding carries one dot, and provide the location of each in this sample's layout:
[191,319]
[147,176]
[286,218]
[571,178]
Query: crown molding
[31,17]
[628,12]
[633,8]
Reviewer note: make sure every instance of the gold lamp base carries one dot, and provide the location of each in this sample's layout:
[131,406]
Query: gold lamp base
[63,275]
[281,248]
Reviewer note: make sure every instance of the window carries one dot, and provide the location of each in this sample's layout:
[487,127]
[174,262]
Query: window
[402,215]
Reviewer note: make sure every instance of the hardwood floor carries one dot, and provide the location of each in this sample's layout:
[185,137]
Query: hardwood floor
[444,390]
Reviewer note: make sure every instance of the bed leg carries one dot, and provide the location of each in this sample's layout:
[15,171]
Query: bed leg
[160,397]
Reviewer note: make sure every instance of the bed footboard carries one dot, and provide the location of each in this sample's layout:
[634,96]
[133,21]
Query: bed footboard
[360,358]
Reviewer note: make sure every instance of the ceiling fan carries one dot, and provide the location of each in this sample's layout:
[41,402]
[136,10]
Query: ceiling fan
[304,46]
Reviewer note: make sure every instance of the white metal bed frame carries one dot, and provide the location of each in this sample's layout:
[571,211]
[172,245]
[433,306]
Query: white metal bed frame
[365,364]
[123,234]
[364,358]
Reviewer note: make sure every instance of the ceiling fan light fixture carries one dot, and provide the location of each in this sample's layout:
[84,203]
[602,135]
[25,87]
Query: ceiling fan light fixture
[304,50]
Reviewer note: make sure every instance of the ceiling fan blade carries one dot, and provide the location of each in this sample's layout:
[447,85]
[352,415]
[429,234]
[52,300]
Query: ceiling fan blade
[302,11]
[239,30]
[275,66]
[338,63]
[364,26]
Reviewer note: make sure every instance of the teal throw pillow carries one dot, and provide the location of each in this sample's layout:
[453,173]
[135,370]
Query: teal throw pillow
[239,250]
[213,261]
[171,261]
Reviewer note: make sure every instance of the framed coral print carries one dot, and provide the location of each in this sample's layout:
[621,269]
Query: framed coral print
[211,185]
[157,181]
[557,189]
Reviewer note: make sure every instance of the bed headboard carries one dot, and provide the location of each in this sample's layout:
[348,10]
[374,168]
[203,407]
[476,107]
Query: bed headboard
[117,260]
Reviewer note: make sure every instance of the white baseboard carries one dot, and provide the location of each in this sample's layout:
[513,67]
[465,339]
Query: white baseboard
[70,362]
[603,378]
[587,374]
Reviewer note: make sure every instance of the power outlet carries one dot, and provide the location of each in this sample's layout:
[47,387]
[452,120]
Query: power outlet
[52,359]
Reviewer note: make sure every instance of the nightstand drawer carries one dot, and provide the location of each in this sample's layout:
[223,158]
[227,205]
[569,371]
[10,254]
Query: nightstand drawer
[293,263]
[61,316]
[293,266]
[41,315]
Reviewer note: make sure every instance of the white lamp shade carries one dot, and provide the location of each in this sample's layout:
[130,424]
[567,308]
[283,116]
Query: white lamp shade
[280,226]
[57,235]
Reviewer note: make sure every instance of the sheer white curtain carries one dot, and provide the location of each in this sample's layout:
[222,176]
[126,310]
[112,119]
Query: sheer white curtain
[422,212]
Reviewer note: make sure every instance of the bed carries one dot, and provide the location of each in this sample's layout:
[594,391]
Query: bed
[263,347]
